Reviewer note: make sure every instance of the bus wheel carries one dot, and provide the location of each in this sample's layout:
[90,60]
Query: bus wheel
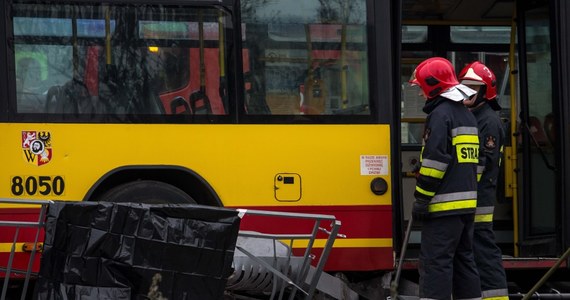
[147,191]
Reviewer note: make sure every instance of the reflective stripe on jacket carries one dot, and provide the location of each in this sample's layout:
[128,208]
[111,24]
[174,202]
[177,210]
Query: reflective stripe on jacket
[449,158]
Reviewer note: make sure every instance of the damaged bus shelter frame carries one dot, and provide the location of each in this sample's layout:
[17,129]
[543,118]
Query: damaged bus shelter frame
[284,274]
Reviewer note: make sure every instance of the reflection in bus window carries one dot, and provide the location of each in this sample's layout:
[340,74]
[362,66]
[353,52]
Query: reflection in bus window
[313,63]
[118,60]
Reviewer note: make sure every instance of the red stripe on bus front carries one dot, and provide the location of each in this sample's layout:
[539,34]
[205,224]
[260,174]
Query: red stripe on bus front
[369,221]
[25,234]
[358,222]
[358,259]
[19,265]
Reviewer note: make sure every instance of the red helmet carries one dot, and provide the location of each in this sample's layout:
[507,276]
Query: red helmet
[434,76]
[477,73]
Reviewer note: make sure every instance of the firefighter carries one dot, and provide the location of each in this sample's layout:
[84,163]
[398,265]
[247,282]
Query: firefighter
[491,135]
[446,188]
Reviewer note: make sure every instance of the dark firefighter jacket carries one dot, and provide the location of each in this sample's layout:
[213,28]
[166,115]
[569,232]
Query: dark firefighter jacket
[492,138]
[449,158]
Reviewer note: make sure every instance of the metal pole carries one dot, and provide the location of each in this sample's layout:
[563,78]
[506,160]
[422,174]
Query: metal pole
[541,296]
[547,275]
[324,256]
[396,281]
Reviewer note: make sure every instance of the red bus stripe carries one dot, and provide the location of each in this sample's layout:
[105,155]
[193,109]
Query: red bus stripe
[371,221]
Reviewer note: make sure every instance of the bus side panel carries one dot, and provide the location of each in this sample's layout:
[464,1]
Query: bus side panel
[335,165]
[361,259]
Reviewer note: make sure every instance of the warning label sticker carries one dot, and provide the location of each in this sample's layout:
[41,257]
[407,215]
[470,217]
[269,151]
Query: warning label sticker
[373,164]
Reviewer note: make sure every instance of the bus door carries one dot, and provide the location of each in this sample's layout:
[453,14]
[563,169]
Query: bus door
[461,44]
[538,146]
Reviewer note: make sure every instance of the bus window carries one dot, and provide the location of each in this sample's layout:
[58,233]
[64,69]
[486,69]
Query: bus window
[414,34]
[412,114]
[116,61]
[306,57]
[480,34]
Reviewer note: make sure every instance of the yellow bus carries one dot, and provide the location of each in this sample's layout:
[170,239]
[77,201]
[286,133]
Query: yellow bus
[280,106]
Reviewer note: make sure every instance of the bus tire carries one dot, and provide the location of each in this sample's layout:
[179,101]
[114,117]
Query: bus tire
[147,191]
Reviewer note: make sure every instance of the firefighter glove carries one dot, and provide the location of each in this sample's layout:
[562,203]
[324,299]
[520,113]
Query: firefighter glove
[420,210]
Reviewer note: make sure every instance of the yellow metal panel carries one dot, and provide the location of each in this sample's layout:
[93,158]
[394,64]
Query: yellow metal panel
[239,161]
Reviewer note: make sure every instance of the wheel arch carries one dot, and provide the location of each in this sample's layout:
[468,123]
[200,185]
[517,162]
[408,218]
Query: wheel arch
[183,178]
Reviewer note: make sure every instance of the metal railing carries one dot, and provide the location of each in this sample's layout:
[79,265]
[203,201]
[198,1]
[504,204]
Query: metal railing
[276,271]
[38,225]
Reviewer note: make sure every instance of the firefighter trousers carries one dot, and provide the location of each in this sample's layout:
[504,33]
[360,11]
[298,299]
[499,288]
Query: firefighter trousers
[447,266]
[489,263]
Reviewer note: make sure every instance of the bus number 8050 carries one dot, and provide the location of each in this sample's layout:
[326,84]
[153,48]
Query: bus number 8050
[32,185]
